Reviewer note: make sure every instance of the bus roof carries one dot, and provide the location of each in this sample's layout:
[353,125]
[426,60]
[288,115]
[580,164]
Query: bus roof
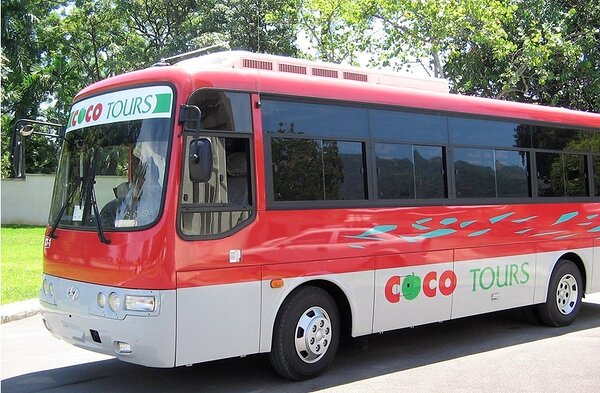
[260,61]
[268,74]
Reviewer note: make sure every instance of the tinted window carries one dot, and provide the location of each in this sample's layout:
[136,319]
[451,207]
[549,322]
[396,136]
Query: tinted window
[575,175]
[488,133]
[512,169]
[597,175]
[395,171]
[561,175]
[410,171]
[550,178]
[474,173]
[314,119]
[343,166]
[408,127]
[223,111]
[297,169]
[309,169]
[568,140]
[430,172]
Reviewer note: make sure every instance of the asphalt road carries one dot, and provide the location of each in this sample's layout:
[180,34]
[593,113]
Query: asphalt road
[501,352]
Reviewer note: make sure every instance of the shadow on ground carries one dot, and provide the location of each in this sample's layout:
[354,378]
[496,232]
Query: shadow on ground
[358,359]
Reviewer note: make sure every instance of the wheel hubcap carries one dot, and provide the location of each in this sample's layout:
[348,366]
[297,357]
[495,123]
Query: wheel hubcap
[313,334]
[567,294]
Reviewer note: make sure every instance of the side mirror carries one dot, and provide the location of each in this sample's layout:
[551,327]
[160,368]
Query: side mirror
[200,160]
[23,128]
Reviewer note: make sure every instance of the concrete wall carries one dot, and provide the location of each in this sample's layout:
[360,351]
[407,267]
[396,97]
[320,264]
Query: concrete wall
[28,201]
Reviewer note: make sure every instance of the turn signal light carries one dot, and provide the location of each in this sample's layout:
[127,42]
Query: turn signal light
[277,283]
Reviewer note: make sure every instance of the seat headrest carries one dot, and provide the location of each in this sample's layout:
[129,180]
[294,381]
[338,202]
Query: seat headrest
[121,190]
[237,164]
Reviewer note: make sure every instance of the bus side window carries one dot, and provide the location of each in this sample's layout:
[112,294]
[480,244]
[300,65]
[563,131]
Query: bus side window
[224,201]
[237,178]
[596,175]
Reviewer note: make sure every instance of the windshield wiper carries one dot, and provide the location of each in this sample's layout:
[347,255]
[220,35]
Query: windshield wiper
[62,210]
[78,143]
[90,180]
[103,238]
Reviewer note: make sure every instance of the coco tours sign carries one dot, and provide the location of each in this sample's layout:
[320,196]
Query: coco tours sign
[126,105]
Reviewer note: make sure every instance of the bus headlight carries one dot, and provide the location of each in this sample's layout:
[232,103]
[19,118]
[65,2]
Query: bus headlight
[114,302]
[101,299]
[140,303]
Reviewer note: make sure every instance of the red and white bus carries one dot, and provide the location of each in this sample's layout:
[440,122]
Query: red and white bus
[237,203]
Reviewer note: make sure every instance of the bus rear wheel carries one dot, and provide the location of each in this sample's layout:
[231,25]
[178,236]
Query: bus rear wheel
[564,295]
[306,334]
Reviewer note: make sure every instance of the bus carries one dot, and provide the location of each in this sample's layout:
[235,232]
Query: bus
[238,203]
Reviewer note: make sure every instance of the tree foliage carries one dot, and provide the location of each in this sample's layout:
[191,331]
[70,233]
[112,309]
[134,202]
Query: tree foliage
[335,29]
[548,54]
[52,49]
[537,51]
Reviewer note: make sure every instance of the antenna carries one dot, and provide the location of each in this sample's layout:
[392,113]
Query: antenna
[166,61]
[258,4]
[258,26]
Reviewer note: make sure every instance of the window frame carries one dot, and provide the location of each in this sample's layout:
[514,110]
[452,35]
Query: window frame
[448,151]
[217,207]
[169,156]
[589,173]
[274,204]
[410,201]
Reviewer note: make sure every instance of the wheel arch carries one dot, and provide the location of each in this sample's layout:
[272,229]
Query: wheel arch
[578,261]
[341,300]
[338,295]
[564,295]
[334,289]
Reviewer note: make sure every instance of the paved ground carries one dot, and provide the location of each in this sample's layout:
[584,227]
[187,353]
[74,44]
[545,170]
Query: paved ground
[500,352]
[19,310]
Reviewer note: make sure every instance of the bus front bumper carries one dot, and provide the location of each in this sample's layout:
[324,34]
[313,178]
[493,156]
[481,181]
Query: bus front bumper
[71,310]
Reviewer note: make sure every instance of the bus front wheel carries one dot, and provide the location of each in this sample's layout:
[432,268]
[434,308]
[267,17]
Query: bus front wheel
[306,334]
[564,295]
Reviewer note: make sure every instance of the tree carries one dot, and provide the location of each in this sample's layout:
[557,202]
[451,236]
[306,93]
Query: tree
[397,33]
[26,79]
[52,49]
[267,26]
[335,29]
[532,51]
[162,28]
[170,27]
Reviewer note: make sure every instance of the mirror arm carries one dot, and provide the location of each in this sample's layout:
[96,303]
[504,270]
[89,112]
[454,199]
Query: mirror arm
[191,113]
[17,154]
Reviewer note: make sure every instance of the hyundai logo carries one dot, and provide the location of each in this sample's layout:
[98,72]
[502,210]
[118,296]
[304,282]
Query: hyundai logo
[73,293]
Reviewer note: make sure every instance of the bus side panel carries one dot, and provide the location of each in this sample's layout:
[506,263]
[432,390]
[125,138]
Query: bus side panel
[413,289]
[217,321]
[357,287]
[548,257]
[488,284]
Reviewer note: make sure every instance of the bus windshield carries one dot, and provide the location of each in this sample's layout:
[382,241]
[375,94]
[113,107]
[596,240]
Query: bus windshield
[120,166]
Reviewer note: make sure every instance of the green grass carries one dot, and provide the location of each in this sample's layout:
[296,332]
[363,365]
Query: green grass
[21,263]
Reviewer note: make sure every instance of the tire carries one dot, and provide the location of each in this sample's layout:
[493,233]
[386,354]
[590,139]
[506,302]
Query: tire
[564,295]
[306,334]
